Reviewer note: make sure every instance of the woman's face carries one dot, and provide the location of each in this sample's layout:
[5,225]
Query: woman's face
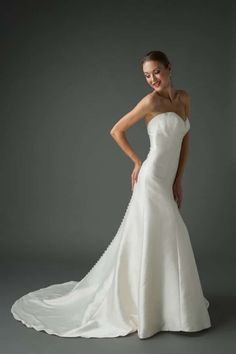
[157,75]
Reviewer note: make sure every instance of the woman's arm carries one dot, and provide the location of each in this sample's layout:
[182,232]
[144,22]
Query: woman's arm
[185,143]
[131,118]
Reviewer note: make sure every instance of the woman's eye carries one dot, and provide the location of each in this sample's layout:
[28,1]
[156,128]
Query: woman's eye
[155,72]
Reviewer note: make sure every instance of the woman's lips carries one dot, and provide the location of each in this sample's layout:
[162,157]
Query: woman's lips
[157,84]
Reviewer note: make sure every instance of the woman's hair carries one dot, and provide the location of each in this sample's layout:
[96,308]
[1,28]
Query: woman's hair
[155,55]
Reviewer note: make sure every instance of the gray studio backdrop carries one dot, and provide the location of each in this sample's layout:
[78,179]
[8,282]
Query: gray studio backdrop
[69,72]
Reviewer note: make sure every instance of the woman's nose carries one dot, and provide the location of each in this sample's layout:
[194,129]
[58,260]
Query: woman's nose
[153,79]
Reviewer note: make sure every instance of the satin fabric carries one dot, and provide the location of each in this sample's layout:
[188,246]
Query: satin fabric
[146,280]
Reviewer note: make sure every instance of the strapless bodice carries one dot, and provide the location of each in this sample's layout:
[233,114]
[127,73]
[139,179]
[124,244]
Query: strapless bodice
[166,129]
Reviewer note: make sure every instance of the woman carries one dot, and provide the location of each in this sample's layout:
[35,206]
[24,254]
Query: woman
[164,98]
[147,280]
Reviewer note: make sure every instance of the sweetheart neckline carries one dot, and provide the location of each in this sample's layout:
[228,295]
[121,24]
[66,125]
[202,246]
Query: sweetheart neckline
[159,114]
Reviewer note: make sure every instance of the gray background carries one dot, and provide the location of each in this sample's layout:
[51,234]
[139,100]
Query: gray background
[69,72]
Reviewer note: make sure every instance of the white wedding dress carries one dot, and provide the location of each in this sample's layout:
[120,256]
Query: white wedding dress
[147,279]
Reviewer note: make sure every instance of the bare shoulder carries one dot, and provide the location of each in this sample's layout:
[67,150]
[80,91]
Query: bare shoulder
[149,99]
[138,112]
[148,103]
[185,98]
[184,95]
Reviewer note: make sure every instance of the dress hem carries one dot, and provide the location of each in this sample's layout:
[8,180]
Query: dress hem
[47,330]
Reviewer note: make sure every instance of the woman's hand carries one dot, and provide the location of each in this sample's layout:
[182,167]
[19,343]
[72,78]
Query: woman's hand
[178,192]
[134,175]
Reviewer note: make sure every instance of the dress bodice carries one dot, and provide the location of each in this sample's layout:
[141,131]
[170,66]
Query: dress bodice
[167,128]
[166,131]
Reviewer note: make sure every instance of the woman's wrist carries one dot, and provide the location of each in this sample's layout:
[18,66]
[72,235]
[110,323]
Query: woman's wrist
[138,162]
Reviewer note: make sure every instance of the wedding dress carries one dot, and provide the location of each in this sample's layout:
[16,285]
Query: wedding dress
[147,279]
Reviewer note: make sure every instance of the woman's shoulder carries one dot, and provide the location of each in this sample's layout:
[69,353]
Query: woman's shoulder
[184,94]
[149,100]
[185,98]
[150,97]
